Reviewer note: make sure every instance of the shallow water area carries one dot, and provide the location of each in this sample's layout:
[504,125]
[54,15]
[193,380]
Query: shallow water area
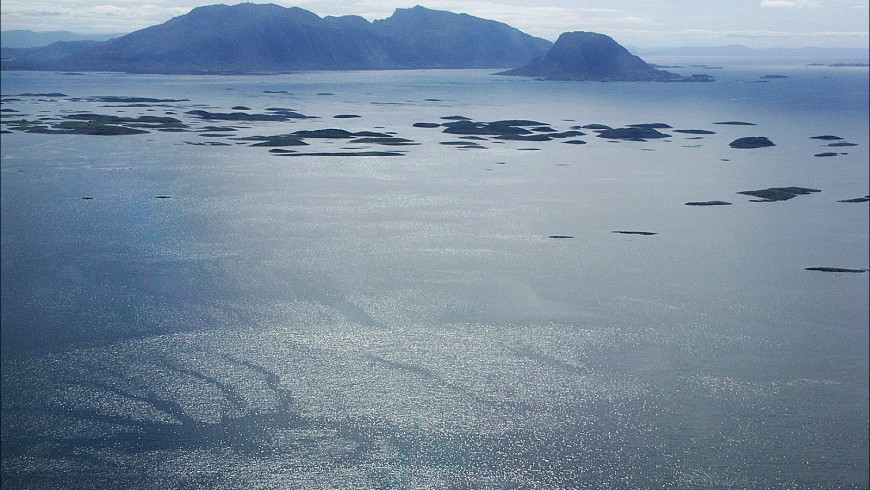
[222,316]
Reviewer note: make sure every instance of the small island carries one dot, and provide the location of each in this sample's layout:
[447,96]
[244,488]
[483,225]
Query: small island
[835,269]
[751,142]
[774,194]
[708,203]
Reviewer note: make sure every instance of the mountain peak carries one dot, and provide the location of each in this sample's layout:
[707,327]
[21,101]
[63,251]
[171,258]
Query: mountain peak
[581,55]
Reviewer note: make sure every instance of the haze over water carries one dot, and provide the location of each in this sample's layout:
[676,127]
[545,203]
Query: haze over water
[407,321]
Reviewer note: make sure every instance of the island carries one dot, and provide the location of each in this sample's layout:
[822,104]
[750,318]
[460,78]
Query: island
[751,142]
[590,56]
[773,194]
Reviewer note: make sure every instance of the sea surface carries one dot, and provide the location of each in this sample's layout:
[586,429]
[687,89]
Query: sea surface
[189,311]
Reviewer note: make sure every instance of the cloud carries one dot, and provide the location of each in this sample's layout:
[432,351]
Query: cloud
[788,3]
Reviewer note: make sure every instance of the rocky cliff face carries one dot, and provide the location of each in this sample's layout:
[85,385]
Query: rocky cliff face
[591,56]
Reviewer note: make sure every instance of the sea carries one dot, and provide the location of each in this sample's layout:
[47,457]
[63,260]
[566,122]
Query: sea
[183,310]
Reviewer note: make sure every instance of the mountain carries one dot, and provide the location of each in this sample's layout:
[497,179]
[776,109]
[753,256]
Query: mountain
[251,38]
[438,39]
[591,56]
[53,53]
[18,38]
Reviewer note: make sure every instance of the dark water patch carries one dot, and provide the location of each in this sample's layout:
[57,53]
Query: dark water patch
[162,197]
[694,131]
[650,126]
[334,133]
[575,142]
[566,134]
[241,108]
[275,140]
[91,128]
[426,125]
[389,141]
[629,232]
[826,154]
[218,129]
[841,143]
[517,122]
[496,128]
[456,118]
[244,116]
[48,94]
[634,134]
[136,105]
[708,203]
[835,269]
[751,142]
[774,194]
[735,123]
[207,143]
[857,199]
[561,236]
[774,77]
[826,137]
[346,116]
[520,137]
[594,127]
[141,121]
[113,99]
[330,133]
[346,154]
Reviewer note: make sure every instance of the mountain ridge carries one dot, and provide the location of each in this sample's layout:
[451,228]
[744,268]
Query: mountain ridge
[251,38]
[24,38]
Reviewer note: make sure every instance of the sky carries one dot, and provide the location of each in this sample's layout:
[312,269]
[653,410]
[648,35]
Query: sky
[639,23]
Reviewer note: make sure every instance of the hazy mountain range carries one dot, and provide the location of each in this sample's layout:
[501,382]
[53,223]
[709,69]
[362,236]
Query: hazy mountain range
[19,38]
[740,51]
[267,38]
[250,38]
